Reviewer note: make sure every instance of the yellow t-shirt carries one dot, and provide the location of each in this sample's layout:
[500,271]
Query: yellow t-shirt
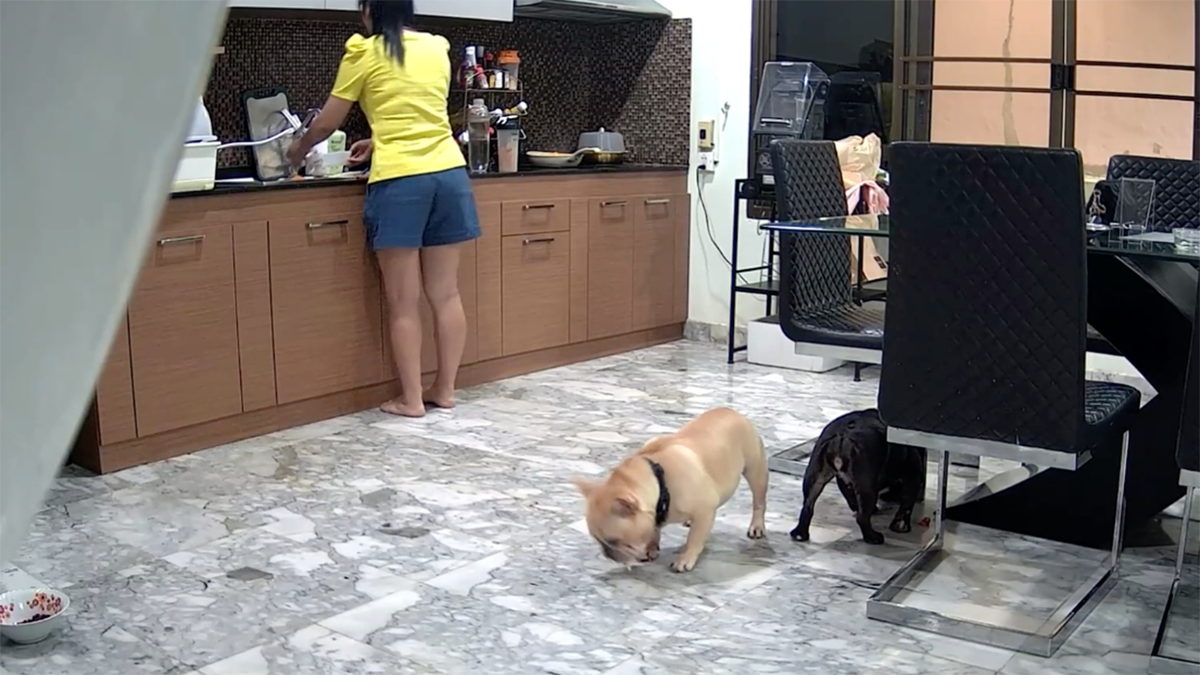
[405,105]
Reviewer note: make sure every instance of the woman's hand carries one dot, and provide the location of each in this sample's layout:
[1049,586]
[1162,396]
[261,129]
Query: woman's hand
[360,152]
[296,152]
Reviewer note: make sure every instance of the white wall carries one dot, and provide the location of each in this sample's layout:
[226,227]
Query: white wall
[720,75]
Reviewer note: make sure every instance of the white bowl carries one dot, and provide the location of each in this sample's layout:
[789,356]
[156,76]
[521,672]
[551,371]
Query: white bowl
[18,606]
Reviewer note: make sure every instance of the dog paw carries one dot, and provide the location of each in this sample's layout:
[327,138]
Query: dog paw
[756,531]
[799,534]
[900,526]
[873,537]
[687,523]
[682,564]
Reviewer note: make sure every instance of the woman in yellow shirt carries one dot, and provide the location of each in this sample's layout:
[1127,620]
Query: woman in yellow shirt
[419,208]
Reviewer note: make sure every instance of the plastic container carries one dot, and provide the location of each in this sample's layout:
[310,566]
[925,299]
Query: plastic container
[201,125]
[337,141]
[508,146]
[319,164]
[509,61]
[478,145]
[786,94]
[197,168]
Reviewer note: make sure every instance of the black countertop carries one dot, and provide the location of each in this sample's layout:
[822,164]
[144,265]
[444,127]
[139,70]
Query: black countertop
[229,188]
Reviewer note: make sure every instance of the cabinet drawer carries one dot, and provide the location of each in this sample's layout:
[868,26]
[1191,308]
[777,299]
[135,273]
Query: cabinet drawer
[326,307]
[535,217]
[654,235]
[183,339]
[535,292]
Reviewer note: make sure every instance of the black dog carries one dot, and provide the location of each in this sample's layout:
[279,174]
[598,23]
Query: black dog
[854,449]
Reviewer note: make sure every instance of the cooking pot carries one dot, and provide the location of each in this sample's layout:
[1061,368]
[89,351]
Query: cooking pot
[609,146]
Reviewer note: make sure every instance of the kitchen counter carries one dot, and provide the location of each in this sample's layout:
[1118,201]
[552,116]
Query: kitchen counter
[258,310]
[245,186]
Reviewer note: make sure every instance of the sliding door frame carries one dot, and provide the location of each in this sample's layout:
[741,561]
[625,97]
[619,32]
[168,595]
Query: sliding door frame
[913,62]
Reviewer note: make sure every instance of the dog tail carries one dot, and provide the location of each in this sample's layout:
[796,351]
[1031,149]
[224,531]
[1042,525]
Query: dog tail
[839,450]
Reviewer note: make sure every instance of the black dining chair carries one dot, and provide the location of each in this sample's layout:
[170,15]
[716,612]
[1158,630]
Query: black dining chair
[984,347]
[1187,454]
[1176,186]
[817,309]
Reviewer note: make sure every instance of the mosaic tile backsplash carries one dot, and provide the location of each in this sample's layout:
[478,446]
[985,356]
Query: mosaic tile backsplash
[633,77]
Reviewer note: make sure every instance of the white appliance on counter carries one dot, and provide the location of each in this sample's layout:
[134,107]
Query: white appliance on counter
[481,10]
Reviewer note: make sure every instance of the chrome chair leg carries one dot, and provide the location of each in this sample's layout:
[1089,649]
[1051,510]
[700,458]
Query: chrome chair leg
[1042,641]
[1164,664]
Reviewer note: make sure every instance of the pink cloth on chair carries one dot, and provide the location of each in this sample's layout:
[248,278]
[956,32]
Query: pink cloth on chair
[870,193]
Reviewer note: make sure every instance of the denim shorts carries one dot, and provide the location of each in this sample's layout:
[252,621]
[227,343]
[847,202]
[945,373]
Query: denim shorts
[432,209]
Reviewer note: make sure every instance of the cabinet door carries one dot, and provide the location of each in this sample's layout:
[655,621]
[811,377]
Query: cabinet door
[279,4]
[610,267]
[683,244]
[183,338]
[114,391]
[466,290]
[654,234]
[535,290]
[326,307]
[483,10]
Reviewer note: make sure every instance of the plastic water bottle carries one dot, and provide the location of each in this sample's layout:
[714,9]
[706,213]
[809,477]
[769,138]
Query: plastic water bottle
[478,147]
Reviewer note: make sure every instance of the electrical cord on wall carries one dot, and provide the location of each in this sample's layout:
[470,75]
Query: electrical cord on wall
[712,236]
[708,228]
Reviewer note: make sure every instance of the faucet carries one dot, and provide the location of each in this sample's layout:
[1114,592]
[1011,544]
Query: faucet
[294,125]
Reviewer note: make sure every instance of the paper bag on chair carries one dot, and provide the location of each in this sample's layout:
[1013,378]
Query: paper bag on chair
[874,264]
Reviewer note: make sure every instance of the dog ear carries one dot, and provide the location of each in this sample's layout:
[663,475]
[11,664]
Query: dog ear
[625,506]
[585,486]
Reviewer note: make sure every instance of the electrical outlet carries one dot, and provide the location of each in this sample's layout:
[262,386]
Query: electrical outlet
[704,135]
[705,161]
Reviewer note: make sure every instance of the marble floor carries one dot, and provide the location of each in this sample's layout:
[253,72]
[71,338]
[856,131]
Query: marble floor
[454,545]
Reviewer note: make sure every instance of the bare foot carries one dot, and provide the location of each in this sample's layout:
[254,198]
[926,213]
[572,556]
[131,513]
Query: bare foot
[398,406]
[438,397]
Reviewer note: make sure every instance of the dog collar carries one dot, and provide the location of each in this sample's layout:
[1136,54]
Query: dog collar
[663,507]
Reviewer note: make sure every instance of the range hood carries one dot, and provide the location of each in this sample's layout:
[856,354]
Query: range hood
[591,11]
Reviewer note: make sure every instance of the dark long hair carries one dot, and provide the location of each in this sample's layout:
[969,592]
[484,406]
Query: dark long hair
[388,18]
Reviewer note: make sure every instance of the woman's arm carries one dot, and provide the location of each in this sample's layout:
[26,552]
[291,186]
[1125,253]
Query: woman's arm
[330,118]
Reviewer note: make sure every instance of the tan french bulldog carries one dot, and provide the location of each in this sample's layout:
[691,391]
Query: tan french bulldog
[681,478]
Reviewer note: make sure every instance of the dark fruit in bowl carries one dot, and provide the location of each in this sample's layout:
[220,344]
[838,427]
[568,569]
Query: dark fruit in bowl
[34,619]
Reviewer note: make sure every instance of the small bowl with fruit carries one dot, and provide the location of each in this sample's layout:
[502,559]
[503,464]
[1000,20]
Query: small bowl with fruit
[30,615]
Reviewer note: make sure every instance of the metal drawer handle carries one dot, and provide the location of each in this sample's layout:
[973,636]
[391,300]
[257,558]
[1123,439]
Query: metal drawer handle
[607,204]
[331,223]
[528,207]
[539,240]
[181,240]
[652,202]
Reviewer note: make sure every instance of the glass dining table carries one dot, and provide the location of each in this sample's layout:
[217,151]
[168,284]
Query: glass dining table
[1156,245]
[1141,297]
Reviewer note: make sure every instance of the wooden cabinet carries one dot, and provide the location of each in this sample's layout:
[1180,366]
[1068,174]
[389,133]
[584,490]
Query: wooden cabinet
[488,310]
[264,310]
[479,10]
[654,261]
[466,289]
[114,391]
[326,307]
[533,217]
[683,243]
[610,266]
[535,290]
[183,337]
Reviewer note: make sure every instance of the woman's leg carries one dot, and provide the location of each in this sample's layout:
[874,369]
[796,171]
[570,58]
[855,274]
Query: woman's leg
[401,272]
[439,269]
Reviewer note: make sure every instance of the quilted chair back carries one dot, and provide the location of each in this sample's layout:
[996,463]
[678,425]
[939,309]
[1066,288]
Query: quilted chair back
[815,268]
[1188,450]
[1176,186]
[987,306]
